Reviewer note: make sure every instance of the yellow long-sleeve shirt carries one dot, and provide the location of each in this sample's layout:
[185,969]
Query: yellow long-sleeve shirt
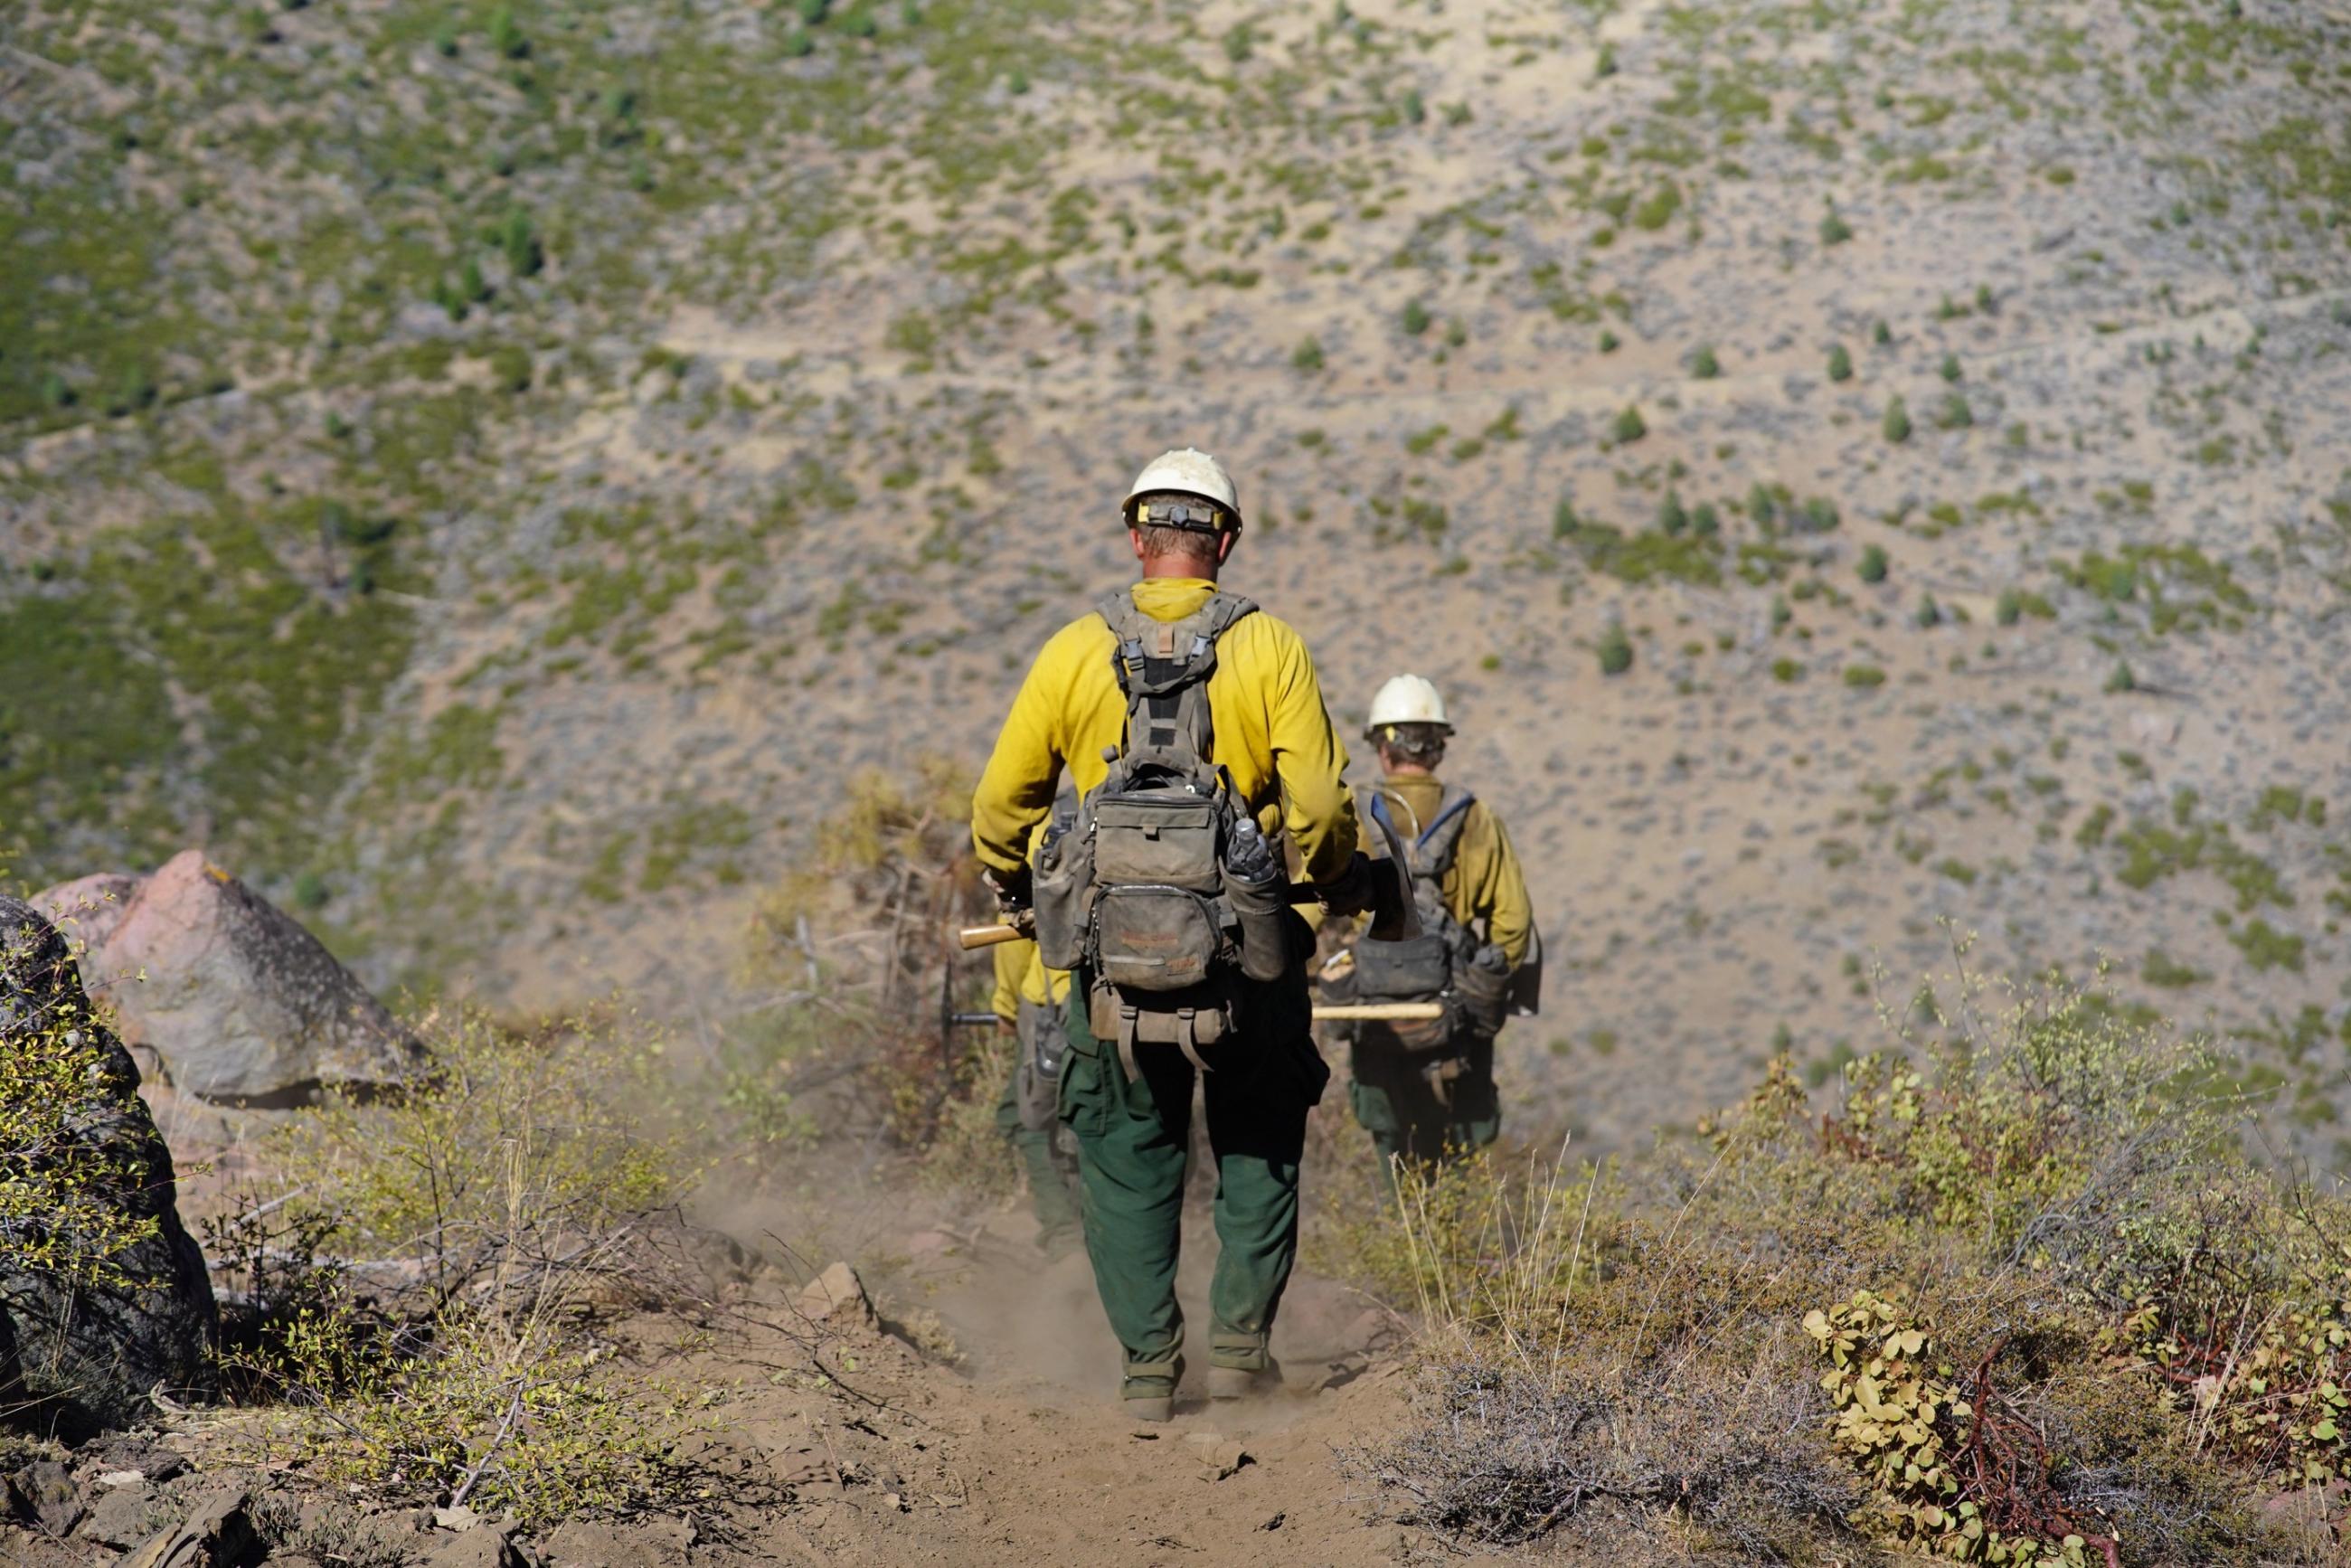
[1272,734]
[1021,977]
[1484,882]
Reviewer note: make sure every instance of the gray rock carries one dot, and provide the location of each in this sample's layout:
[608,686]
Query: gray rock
[219,1533]
[240,1002]
[87,1354]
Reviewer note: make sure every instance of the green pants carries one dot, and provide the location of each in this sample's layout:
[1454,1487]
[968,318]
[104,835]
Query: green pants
[1049,1167]
[1134,1140]
[1423,1105]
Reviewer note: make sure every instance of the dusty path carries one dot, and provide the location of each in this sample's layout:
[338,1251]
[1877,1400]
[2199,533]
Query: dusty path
[1015,1452]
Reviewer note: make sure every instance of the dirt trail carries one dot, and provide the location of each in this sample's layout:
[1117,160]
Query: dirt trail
[1016,1452]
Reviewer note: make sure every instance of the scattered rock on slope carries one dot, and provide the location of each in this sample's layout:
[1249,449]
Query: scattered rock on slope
[89,1354]
[239,1001]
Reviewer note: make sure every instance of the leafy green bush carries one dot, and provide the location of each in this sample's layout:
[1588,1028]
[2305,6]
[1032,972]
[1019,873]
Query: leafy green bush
[1629,426]
[1897,424]
[1872,564]
[60,1209]
[1840,363]
[1615,651]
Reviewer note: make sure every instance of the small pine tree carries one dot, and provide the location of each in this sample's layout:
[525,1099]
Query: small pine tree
[1929,613]
[1760,505]
[1016,84]
[1415,318]
[1308,356]
[1949,369]
[1881,334]
[1606,65]
[798,45]
[1564,520]
[1840,364]
[1608,341]
[1615,650]
[1704,521]
[1629,426]
[814,11]
[1704,365]
[1956,413]
[2122,680]
[1897,421]
[1834,230]
[445,38]
[1414,109]
[471,284]
[1872,564]
[1671,518]
[54,390]
[1984,298]
[2009,608]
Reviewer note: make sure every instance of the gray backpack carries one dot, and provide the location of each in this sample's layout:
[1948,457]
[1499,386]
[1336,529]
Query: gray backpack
[1446,962]
[1137,894]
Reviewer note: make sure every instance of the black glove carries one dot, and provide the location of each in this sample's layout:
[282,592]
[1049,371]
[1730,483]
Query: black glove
[1351,892]
[1012,890]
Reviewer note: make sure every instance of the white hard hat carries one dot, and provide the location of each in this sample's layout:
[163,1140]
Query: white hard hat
[1406,699]
[1185,473]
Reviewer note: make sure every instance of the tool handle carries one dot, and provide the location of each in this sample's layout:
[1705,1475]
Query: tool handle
[1392,1012]
[972,937]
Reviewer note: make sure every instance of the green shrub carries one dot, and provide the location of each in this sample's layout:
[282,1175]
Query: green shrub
[1862,677]
[1671,518]
[1955,413]
[1834,230]
[1704,365]
[2009,608]
[1880,333]
[1415,318]
[1840,363]
[1308,356]
[1897,424]
[1608,341]
[1872,564]
[60,1209]
[1615,651]
[506,36]
[1414,109]
[1629,426]
[519,240]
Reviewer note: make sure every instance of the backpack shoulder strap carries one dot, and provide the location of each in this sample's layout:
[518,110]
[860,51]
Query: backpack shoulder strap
[1441,838]
[1163,668]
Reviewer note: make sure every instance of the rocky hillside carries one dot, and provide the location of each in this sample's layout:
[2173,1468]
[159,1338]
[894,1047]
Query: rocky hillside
[1864,475]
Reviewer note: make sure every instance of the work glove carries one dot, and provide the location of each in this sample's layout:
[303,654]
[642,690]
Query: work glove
[1351,892]
[1013,893]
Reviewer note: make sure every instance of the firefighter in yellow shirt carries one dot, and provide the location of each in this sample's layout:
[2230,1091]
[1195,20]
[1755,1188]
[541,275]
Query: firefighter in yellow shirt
[1427,1091]
[1229,694]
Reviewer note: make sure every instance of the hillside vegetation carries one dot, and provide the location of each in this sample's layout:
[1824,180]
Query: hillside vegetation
[491,470]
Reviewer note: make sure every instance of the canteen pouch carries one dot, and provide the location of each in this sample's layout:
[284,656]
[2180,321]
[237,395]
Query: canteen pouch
[1058,894]
[1262,911]
[1482,989]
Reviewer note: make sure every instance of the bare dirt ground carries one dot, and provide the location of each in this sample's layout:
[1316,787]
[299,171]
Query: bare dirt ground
[1016,1453]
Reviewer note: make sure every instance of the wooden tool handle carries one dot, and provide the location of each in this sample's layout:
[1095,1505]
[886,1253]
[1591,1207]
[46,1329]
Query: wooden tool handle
[972,937]
[1392,1012]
